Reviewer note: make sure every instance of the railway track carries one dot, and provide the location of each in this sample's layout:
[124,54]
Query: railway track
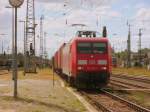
[107,102]
[128,85]
[143,79]
[130,82]
[120,85]
[128,103]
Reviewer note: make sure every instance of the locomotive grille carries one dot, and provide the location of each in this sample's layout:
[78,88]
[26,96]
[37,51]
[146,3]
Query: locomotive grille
[92,62]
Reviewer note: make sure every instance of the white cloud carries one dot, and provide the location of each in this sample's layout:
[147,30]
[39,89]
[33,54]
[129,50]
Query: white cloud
[143,13]
[142,20]
[80,3]
[140,5]
[53,7]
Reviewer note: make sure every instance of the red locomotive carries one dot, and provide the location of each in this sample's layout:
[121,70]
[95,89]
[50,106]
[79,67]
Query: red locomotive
[85,60]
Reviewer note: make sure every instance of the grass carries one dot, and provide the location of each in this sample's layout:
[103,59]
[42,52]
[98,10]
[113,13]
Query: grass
[131,71]
[45,74]
[138,97]
[141,98]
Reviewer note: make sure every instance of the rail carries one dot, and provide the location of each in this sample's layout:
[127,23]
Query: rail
[97,104]
[134,106]
[141,79]
[130,84]
[104,108]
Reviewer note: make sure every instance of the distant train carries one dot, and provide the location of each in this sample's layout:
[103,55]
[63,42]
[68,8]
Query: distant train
[85,60]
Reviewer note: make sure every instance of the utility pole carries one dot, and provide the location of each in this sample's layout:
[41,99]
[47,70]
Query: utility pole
[45,54]
[45,50]
[2,47]
[97,22]
[2,43]
[41,41]
[129,46]
[16,5]
[140,51]
[15,57]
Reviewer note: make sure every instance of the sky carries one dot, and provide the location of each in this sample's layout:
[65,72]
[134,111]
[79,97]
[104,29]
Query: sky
[95,14]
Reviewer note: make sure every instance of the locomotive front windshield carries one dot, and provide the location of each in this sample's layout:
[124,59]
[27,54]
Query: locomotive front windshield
[84,48]
[93,47]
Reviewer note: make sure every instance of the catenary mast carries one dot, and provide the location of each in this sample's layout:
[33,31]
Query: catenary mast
[30,37]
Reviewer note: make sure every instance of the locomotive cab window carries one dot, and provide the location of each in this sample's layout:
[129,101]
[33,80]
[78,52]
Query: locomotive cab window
[83,47]
[99,48]
[87,47]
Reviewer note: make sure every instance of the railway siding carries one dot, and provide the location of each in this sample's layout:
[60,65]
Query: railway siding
[140,78]
[131,81]
[130,104]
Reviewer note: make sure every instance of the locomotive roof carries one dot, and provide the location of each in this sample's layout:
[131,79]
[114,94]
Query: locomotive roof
[90,39]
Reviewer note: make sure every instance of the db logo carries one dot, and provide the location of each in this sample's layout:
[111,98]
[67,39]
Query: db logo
[92,56]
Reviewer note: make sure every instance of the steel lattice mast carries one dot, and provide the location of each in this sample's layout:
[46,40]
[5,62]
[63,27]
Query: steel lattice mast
[30,27]
[30,37]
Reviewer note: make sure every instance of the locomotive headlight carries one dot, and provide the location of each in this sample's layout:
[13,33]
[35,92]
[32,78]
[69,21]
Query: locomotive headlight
[82,62]
[102,62]
[79,68]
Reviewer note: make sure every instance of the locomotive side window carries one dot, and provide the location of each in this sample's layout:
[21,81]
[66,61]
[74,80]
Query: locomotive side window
[83,47]
[99,48]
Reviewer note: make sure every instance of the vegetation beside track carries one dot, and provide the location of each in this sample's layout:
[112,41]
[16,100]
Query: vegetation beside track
[42,74]
[131,71]
[141,98]
[138,97]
